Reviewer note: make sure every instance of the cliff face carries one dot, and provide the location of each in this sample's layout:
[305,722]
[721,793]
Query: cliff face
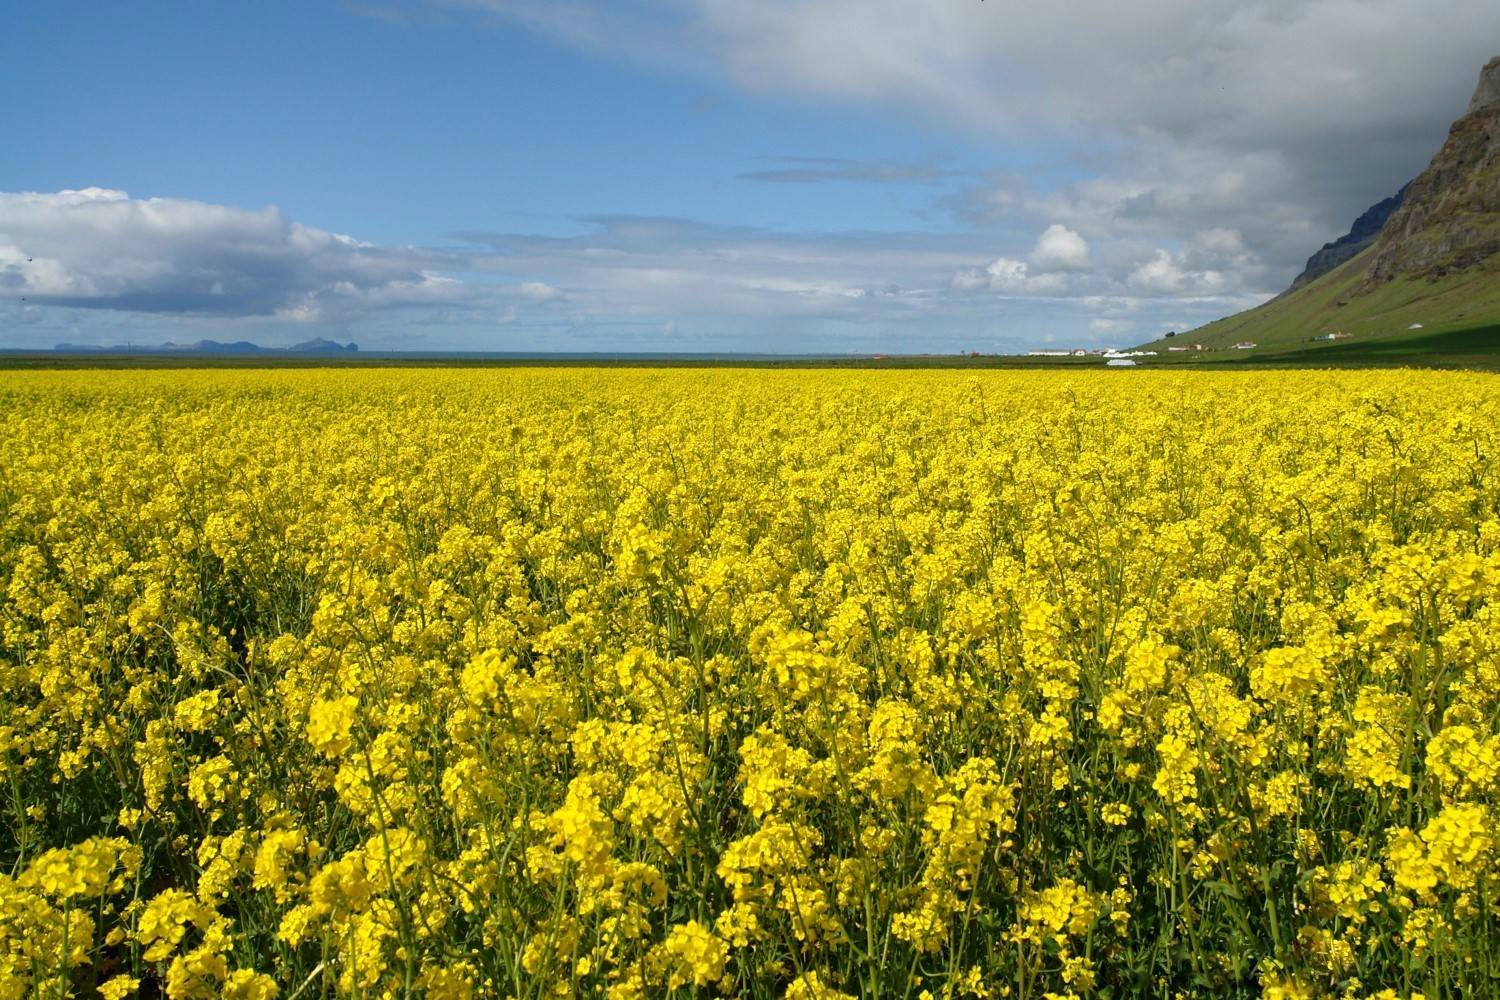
[1450,217]
[1363,233]
[1488,94]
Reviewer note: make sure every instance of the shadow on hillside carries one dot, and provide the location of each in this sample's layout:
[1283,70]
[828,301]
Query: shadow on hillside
[1475,347]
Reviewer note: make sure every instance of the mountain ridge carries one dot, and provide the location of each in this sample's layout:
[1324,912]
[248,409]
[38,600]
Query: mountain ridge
[1365,231]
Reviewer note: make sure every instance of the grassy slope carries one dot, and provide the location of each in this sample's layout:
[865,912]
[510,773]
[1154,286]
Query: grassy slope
[1467,303]
[1463,347]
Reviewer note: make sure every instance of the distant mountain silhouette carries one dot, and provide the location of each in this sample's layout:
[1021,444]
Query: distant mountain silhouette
[321,345]
[315,346]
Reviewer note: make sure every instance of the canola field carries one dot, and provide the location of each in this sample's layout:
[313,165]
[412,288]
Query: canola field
[574,683]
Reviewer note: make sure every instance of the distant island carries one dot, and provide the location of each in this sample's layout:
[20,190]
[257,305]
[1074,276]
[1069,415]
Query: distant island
[316,346]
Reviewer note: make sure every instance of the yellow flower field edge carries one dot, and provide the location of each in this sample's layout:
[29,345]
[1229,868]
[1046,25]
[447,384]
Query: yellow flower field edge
[749,683]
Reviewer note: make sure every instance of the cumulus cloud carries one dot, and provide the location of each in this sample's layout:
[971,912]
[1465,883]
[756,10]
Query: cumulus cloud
[1215,262]
[1008,277]
[1060,249]
[1056,259]
[101,249]
[1160,274]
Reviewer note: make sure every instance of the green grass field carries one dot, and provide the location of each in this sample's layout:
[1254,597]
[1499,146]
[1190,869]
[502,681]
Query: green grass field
[1473,347]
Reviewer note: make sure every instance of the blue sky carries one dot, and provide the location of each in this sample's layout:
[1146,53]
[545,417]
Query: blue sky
[696,174]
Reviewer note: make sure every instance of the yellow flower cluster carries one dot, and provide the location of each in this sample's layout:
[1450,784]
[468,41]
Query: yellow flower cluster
[822,684]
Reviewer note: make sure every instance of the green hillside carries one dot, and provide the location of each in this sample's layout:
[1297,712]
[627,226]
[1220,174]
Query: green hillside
[1335,303]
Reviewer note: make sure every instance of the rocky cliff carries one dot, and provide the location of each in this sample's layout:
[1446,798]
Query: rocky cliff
[1488,94]
[1449,219]
[1363,233]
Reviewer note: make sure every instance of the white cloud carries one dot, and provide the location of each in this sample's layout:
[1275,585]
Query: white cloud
[744,288]
[626,283]
[1159,274]
[101,249]
[1282,119]
[1008,277]
[1060,249]
[626,280]
[538,291]
[1172,274]
[762,288]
